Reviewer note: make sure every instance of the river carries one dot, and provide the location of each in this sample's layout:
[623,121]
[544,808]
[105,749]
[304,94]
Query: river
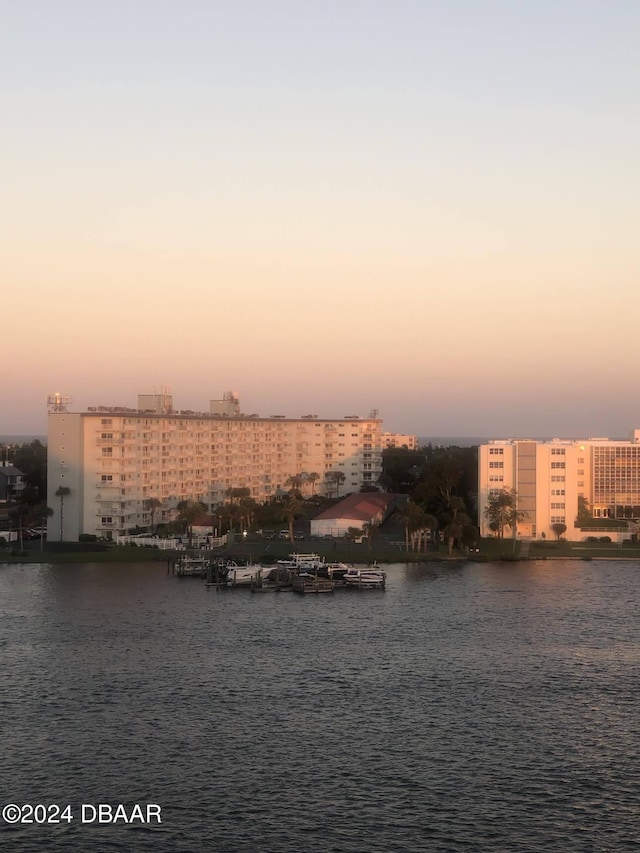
[469,707]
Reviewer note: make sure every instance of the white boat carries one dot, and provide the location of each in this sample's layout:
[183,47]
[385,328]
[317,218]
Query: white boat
[373,578]
[246,575]
[302,562]
[335,571]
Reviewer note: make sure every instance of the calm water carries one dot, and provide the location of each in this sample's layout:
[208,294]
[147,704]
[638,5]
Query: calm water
[468,708]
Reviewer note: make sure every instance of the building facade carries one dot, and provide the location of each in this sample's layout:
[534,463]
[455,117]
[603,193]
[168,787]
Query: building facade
[12,482]
[396,439]
[114,460]
[552,479]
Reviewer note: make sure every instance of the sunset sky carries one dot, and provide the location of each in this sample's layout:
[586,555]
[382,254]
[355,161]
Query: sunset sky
[428,207]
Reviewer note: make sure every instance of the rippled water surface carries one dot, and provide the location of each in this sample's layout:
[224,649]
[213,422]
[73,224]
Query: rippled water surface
[480,707]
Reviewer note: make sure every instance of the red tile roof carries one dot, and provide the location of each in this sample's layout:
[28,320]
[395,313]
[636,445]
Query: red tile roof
[361,506]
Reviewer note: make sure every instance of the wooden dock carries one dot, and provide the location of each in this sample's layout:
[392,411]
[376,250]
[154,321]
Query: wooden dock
[192,567]
[307,584]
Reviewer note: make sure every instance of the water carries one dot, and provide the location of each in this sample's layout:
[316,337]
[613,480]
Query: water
[487,707]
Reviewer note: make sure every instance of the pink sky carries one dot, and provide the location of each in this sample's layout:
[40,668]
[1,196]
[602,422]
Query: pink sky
[432,214]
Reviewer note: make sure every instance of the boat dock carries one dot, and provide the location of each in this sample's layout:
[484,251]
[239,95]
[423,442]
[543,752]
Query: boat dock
[310,584]
[194,567]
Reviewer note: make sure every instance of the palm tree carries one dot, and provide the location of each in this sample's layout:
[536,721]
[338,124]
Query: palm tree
[412,517]
[313,478]
[188,513]
[452,531]
[42,514]
[232,513]
[431,525]
[291,509]
[371,530]
[294,482]
[246,510]
[14,516]
[62,492]
[153,504]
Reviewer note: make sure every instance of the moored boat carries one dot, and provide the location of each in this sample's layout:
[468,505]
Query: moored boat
[334,571]
[248,575]
[302,562]
[373,578]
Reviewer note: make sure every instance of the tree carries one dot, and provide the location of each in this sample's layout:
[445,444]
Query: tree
[235,493]
[470,535]
[417,524]
[246,510]
[447,482]
[153,504]
[502,511]
[452,531]
[291,508]
[229,512]
[42,513]
[31,459]
[401,469]
[371,530]
[313,478]
[62,492]
[354,533]
[294,482]
[16,518]
[559,528]
[584,512]
[188,513]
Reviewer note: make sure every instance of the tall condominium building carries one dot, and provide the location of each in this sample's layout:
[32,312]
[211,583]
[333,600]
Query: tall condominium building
[114,460]
[550,478]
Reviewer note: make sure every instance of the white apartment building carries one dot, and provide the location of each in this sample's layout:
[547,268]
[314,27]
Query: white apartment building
[113,460]
[397,439]
[549,476]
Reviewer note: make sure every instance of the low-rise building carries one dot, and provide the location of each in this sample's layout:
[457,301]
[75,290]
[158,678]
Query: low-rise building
[353,512]
[12,482]
[397,439]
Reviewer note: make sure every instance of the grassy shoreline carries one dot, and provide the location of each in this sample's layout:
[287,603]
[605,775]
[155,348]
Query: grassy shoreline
[338,551]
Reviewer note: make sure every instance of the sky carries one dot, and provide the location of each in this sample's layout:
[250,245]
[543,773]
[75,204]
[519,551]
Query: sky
[425,207]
